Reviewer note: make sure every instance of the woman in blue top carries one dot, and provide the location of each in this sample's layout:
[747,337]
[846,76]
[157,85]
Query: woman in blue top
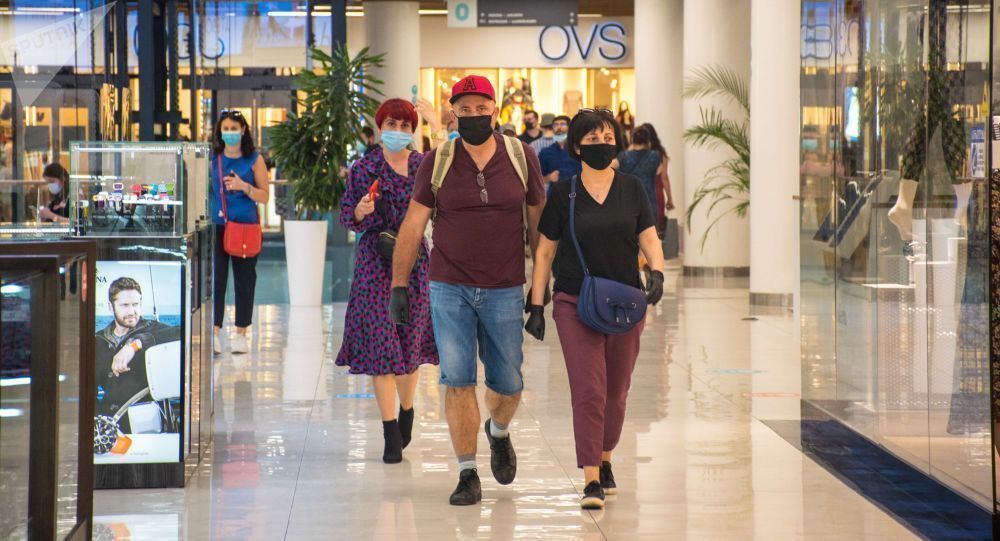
[244,184]
[647,160]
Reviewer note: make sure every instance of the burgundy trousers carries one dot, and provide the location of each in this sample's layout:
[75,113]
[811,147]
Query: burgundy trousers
[600,373]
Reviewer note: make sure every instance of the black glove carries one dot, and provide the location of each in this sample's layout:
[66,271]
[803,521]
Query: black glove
[545,302]
[536,321]
[399,306]
[654,287]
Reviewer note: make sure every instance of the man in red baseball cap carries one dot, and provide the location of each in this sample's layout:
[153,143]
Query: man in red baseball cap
[478,186]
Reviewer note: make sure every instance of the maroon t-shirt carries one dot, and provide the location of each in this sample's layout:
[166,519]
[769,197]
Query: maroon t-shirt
[477,244]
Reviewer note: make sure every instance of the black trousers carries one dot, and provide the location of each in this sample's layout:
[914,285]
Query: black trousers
[244,276]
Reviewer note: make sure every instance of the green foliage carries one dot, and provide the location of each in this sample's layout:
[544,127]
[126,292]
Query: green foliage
[313,146]
[728,183]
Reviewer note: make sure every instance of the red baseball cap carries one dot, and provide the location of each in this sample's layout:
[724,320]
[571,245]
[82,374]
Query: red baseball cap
[473,84]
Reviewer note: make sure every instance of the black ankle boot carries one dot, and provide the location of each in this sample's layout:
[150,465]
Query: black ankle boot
[393,453]
[406,425]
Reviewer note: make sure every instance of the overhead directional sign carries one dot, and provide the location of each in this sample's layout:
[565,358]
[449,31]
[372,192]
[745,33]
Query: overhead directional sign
[528,12]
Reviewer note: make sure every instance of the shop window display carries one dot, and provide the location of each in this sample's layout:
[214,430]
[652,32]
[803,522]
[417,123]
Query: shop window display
[895,232]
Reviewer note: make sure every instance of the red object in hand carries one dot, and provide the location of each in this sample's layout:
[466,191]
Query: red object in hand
[373,191]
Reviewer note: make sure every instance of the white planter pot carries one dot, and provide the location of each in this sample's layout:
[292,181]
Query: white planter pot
[305,255]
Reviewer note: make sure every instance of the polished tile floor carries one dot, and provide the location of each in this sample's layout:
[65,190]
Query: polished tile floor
[297,451]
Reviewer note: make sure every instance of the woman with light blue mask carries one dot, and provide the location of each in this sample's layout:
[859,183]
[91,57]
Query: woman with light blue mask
[378,193]
[239,183]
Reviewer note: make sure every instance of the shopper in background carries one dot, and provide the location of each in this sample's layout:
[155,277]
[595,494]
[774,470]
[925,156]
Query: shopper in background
[368,140]
[531,129]
[647,159]
[614,223]
[244,184]
[508,130]
[478,187]
[57,181]
[557,164]
[543,142]
[372,344]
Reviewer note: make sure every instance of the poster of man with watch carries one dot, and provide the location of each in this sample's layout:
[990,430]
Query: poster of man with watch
[138,362]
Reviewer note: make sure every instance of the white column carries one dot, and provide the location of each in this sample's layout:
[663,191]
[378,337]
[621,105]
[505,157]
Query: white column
[774,154]
[393,28]
[659,61]
[716,33]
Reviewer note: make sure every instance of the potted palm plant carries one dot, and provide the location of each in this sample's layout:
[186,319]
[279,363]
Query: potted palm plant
[311,150]
[728,183]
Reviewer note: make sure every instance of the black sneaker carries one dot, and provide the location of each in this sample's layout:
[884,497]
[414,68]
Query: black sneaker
[503,460]
[593,496]
[608,479]
[469,491]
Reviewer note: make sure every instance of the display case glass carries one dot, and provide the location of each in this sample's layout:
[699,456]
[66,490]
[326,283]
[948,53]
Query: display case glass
[15,405]
[138,189]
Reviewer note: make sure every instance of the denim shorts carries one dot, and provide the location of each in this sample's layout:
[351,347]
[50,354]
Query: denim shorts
[466,317]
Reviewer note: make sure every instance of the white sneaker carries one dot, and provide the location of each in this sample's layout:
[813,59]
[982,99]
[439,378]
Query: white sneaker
[240,343]
[217,344]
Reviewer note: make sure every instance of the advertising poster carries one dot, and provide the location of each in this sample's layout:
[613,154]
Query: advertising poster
[139,362]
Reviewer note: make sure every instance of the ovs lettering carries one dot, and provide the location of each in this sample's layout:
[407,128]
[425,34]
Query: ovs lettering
[611,36]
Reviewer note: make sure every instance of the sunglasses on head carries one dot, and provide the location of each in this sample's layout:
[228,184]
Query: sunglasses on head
[230,113]
[598,111]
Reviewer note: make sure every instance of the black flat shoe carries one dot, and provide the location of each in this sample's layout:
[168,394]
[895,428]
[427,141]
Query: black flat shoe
[593,496]
[503,460]
[406,425]
[469,490]
[608,479]
[393,453]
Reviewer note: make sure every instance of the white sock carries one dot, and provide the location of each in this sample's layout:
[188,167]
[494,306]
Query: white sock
[466,462]
[498,430]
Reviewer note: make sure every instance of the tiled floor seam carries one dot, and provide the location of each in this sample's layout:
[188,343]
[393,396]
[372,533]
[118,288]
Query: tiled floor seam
[302,455]
[527,410]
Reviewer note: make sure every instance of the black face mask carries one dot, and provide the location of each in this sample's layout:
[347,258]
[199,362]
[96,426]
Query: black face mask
[529,125]
[475,130]
[599,156]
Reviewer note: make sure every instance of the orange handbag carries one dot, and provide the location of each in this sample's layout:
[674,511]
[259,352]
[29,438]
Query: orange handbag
[239,240]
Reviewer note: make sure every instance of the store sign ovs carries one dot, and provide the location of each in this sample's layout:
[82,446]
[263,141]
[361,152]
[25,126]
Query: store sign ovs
[607,39]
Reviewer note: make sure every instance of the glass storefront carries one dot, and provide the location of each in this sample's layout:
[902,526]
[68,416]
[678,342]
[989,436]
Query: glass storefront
[895,229]
[544,90]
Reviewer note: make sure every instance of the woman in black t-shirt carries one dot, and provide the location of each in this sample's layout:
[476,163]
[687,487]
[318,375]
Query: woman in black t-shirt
[614,222]
[57,181]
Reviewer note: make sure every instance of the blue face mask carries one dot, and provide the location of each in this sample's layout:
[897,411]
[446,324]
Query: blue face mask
[559,137]
[452,135]
[810,145]
[232,138]
[396,140]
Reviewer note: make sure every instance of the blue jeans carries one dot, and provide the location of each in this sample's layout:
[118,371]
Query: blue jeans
[465,317]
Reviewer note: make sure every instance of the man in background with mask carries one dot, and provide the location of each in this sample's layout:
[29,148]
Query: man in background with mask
[543,142]
[531,128]
[555,161]
[476,273]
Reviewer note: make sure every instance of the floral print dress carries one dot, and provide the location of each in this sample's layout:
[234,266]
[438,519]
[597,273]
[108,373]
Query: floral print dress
[373,344]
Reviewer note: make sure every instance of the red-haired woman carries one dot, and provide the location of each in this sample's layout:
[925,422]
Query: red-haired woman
[373,345]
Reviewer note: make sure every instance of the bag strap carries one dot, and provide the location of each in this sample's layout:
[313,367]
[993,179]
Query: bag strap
[572,224]
[222,194]
[516,154]
[442,163]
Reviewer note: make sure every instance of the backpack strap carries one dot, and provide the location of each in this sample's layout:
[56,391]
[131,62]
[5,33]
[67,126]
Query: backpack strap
[515,151]
[442,163]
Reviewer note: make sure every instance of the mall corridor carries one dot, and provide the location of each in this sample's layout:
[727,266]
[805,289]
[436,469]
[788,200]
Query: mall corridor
[297,450]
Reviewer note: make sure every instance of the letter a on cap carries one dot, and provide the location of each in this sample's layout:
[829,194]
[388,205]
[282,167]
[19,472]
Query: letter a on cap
[470,85]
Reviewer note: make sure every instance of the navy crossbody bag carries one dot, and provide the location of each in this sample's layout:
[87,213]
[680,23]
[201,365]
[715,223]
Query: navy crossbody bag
[604,305]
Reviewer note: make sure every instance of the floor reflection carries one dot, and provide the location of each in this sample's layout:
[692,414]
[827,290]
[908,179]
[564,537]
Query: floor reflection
[297,453]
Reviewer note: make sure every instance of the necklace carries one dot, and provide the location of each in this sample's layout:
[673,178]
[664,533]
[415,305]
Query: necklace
[598,193]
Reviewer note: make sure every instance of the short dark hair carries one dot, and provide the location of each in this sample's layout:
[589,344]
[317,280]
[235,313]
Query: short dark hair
[587,121]
[530,112]
[122,284]
[367,131]
[246,144]
[562,117]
